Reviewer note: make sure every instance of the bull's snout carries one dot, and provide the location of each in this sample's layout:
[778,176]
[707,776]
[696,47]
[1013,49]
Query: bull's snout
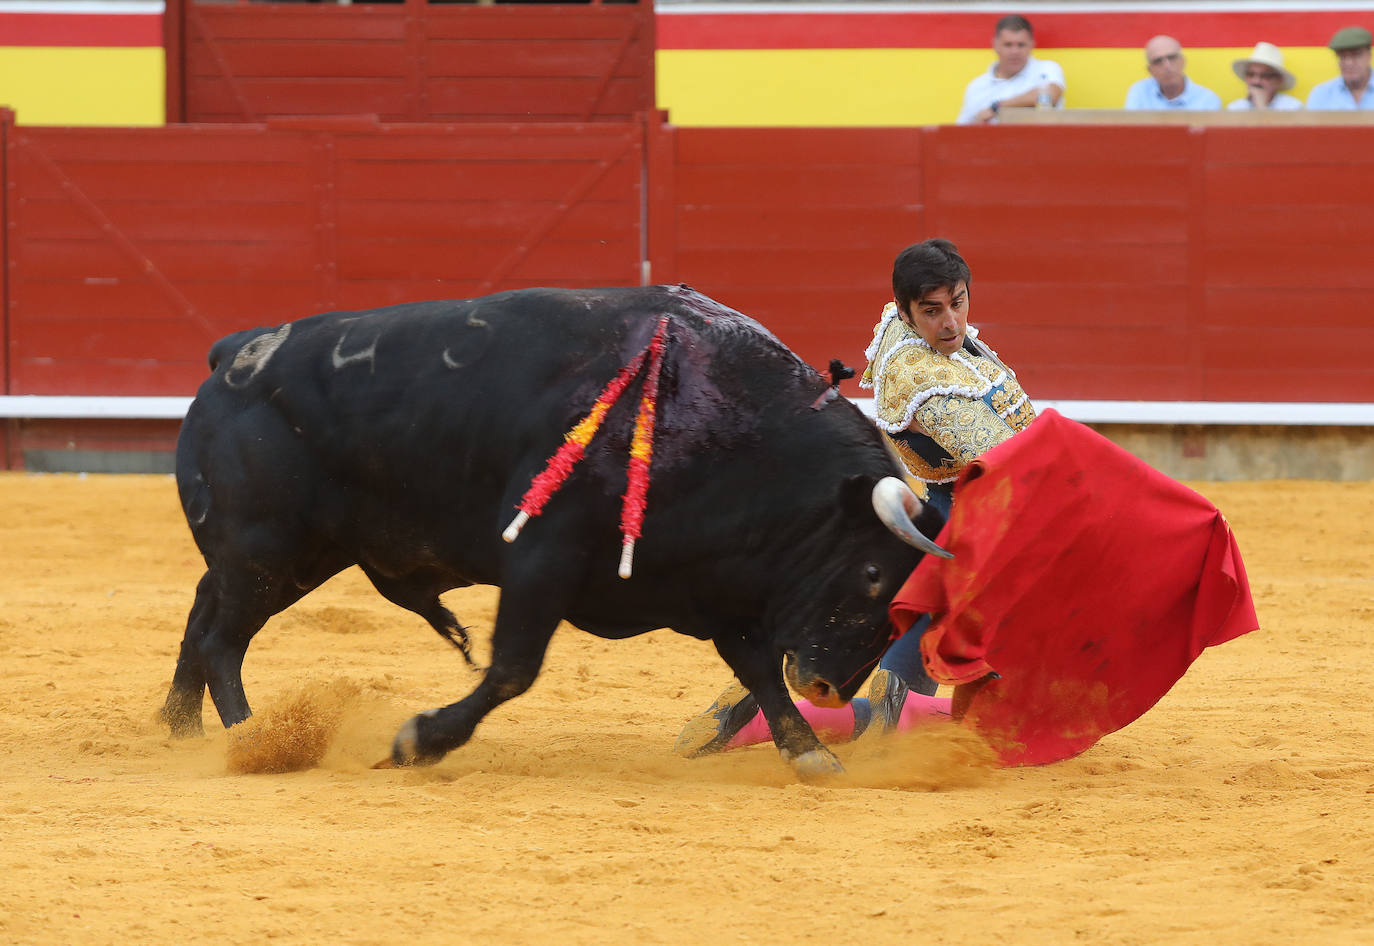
[808,685]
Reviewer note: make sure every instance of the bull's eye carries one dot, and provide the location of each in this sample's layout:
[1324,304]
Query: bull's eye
[874,574]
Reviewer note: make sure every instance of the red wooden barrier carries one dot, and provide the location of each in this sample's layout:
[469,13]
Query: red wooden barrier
[1121,263]
[132,249]
[1110,262]
[411,61]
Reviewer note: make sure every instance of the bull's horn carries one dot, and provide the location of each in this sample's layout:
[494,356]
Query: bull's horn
[896,504]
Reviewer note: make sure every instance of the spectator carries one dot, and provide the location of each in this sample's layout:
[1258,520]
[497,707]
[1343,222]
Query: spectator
[1168,85]
[1349,90]
[1016,80]
[1266,81]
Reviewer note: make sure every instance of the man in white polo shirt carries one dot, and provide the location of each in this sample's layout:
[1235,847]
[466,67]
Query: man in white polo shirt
[1016,80]
[1168,85]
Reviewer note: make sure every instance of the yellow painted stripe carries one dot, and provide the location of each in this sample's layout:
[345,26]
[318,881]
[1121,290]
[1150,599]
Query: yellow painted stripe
[95,85]
[894,87]
[766,87]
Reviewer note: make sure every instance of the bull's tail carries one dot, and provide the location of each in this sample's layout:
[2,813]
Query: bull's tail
[457,635]
[419,593]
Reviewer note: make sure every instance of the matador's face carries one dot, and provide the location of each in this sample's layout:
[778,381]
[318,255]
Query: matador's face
[941,317]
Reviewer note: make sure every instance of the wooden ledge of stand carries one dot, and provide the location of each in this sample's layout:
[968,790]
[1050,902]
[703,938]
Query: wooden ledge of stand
[1121,116]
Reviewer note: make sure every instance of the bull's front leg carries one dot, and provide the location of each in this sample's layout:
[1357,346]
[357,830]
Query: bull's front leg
[760,669]
[533,601]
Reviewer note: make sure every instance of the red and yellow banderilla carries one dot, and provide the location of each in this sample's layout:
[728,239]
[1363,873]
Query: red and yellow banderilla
[576,440]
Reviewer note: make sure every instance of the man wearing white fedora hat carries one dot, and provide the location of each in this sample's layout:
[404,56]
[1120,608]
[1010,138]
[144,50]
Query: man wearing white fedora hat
[1266,81]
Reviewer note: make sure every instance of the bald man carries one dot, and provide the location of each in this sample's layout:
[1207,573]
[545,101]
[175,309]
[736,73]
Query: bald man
[1168,85]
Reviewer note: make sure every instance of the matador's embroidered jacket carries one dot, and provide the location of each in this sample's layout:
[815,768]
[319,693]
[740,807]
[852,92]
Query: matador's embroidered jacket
[942,411]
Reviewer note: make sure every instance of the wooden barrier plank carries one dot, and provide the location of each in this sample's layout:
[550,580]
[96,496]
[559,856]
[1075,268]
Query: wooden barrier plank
[785,226]
[1334,308]
[562,98]
[817,186]
[775,147]
[535,24]
[214,101]
[519,58]
[103,376]
[331,23]
[1083,304]
[175,259]
[197,221]
[1271,221]
[1101,146]
[519,181]
[77,338]
[308,57]
[500,220]
[1299,264]
[407,259]
[1126,226]
[223,301]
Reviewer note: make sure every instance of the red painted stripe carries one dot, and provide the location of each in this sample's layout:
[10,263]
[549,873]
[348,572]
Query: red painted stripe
[909,29]
[827,30]
[80,29]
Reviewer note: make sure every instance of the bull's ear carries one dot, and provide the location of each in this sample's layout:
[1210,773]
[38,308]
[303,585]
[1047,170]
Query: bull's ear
[856,494]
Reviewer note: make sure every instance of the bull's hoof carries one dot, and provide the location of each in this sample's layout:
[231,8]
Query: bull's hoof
[182,723]
[818,765]
[711,731]
[184,728]
[407,747]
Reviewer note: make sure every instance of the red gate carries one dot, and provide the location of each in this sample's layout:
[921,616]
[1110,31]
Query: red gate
[409,61]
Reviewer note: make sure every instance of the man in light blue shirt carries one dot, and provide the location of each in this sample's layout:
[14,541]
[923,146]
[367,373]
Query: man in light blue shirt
[1349,91]
[1168,86]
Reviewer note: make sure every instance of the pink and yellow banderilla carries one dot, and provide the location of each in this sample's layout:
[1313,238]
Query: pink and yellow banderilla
[576,440]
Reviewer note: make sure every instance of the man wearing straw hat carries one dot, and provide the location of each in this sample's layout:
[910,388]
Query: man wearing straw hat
[1266,81]
[1349,91]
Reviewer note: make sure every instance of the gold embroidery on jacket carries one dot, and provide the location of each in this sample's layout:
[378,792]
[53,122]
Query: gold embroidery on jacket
[966,403]
[922,470]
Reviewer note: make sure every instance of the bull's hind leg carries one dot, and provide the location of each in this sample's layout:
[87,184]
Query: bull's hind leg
[525,621]
[182,710]
[231,606]
[225,616]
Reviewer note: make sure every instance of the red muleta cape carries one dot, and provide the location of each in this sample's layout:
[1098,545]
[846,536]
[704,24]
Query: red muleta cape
[1086,579]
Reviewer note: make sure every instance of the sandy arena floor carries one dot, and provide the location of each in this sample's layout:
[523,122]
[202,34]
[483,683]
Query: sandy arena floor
[1239,811]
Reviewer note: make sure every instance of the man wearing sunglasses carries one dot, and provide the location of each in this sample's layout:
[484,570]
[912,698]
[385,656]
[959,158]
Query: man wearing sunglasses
[1266,81]
[1168,86]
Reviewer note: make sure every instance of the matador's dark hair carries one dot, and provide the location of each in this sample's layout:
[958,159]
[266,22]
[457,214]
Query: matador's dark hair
[924,267]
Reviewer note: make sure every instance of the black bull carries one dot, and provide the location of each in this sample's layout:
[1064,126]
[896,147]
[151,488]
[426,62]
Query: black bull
[402,440]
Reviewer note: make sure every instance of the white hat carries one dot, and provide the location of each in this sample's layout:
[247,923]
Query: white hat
[1266,54]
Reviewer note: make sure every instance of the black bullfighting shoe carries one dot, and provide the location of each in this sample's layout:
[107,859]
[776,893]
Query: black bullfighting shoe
[712,730]
[886,697]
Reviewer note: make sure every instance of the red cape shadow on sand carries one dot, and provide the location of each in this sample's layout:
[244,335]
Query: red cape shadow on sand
[1087,580]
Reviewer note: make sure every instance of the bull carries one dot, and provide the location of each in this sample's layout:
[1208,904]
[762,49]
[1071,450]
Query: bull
[402,440]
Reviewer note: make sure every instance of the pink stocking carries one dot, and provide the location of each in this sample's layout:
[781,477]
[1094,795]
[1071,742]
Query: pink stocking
[837,725]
